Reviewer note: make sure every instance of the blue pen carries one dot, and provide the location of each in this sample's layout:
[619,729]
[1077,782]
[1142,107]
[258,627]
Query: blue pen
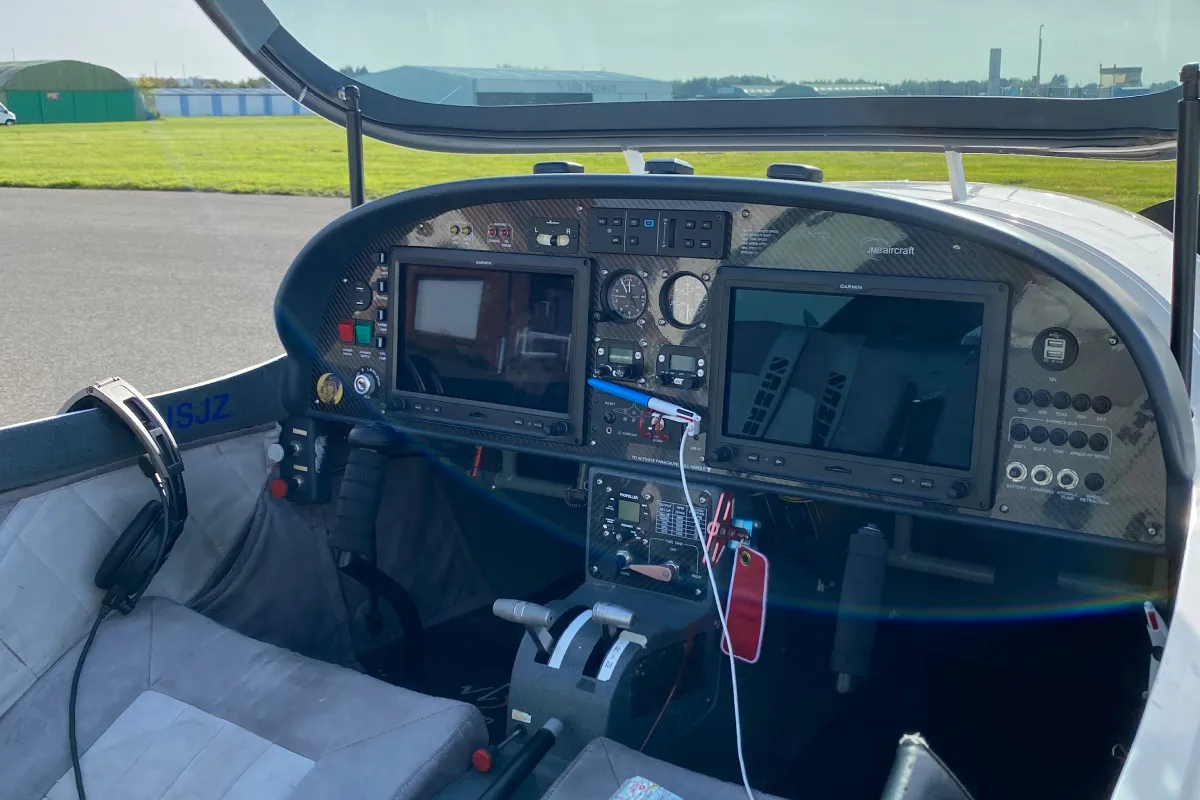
[669,410]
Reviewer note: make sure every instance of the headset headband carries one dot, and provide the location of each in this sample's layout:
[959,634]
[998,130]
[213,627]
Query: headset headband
[151,432]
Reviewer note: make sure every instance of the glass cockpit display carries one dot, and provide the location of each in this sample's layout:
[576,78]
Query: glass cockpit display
[449,307]
[882,376]
[500,337]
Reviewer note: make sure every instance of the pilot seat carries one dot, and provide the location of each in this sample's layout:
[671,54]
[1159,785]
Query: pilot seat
[174,705]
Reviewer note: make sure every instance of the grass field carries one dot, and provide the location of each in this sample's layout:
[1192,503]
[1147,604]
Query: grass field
[306,155]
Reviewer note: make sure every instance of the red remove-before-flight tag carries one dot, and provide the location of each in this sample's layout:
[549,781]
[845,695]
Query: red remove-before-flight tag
[746,609]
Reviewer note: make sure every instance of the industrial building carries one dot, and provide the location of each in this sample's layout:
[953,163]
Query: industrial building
[268,102]
[1121,81]
[469,86]
[774,90]
[67,91]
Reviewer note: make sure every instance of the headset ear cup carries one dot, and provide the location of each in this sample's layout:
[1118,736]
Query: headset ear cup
[128,553]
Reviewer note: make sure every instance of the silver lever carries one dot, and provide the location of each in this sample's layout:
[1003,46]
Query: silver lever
[536,619]
[613,617]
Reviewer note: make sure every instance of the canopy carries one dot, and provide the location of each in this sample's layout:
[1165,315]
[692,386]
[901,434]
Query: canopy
[1079,77]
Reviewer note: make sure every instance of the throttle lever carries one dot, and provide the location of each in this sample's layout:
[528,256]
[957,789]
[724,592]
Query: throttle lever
[614,618]
[535,618]
[613,615]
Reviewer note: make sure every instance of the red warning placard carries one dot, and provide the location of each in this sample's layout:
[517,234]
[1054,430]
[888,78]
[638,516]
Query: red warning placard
[746,608]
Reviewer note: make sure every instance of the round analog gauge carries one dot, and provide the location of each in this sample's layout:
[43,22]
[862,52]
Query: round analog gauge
[626,297]
[684,300]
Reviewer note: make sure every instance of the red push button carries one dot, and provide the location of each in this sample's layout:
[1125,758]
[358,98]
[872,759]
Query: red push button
[481,759]
[279,488]
[346,331]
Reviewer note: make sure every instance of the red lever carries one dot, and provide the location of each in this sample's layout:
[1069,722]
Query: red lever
[650,426]
[721,530]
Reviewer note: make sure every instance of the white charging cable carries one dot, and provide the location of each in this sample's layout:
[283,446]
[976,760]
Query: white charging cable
[689,430]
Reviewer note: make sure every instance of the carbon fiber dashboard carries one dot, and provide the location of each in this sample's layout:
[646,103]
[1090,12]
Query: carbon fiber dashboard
[1075,442]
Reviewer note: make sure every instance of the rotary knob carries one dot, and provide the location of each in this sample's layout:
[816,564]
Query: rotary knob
[722,453]
[365,383]
[958,490]
[610,565]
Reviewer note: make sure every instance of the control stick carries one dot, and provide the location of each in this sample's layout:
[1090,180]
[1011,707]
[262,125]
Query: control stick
[353,542]
[524,762]
[358,504]
[536,619]
[858,606]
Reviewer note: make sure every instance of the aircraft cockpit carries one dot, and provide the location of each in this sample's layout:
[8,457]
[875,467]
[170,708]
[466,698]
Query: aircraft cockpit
[651,486]
[863,421]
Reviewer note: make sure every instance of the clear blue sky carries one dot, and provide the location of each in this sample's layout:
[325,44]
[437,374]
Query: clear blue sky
[883,40]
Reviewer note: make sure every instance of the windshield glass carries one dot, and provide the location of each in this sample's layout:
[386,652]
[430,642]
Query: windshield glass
[529,52]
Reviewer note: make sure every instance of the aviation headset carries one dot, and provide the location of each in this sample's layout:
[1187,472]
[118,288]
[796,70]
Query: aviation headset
[142,548]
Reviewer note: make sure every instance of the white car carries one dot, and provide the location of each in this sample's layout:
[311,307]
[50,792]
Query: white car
[7,117]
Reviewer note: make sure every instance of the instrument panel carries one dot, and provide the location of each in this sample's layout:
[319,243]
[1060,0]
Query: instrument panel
[830,354]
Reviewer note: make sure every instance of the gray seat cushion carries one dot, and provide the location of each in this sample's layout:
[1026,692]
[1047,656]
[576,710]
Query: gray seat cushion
[604,765]
[173,705]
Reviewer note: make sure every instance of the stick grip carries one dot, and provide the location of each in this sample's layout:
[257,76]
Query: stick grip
[358,503]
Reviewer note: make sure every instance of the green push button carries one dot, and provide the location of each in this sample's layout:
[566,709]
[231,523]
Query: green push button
[362,331]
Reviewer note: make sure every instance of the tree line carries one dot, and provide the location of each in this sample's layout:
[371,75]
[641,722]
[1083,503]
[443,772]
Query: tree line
[146,82]
[732,86]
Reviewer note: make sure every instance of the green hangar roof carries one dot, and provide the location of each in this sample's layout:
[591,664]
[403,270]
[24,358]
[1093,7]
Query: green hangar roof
[59,76]
[67,91]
